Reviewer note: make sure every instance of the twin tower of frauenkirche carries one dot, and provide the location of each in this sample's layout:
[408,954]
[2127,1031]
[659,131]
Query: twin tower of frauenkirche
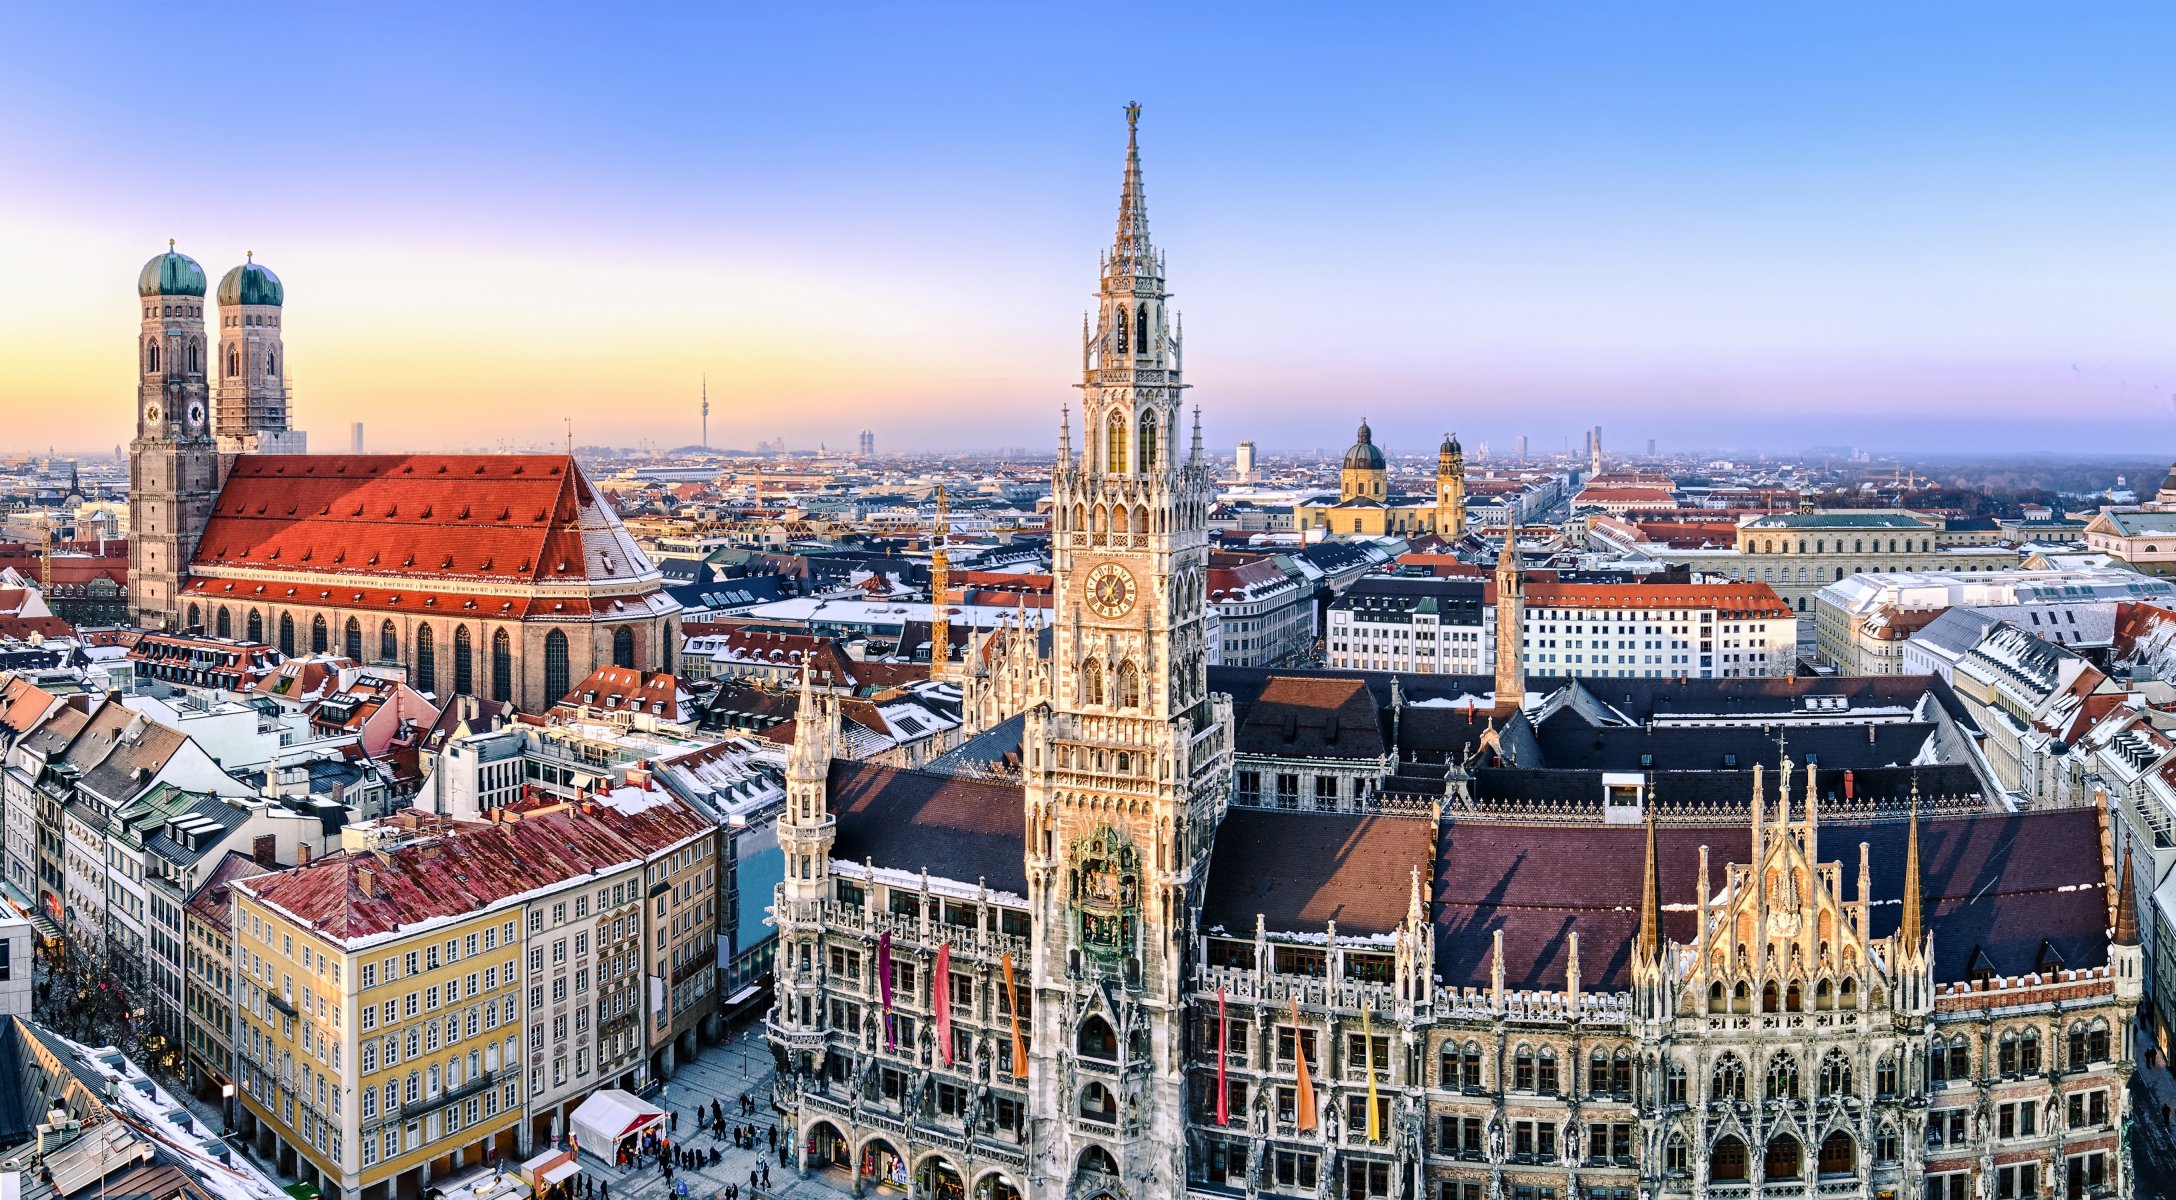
[187,431]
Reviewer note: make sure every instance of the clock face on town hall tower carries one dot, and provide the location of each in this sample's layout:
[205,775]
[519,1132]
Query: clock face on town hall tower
[1110,591]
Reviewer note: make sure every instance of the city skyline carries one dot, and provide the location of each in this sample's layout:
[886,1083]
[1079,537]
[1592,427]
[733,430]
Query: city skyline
[1745,230]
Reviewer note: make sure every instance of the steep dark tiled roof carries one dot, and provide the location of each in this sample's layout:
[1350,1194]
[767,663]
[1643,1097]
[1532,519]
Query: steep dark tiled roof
[1301,871]
[1311,717]
[1998,886]
[959,829]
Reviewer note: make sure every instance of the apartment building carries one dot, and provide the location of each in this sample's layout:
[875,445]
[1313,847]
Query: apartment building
[1634,630]
[1862,623]
[1402,623]
[208,975]
[388,1017]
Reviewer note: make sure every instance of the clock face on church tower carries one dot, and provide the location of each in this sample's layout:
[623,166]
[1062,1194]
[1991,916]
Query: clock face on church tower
[1110,591]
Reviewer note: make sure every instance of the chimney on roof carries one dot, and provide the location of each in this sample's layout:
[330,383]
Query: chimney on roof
[302,854]
[264,850]
[366,879]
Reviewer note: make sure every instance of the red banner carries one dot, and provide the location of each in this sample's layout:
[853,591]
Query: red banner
[1223,1095]
[940,999]
[1012,1001]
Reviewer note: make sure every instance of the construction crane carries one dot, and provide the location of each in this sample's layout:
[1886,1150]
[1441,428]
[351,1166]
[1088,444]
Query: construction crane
[940,584]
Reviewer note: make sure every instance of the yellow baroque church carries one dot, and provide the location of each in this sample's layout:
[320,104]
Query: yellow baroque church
[1366,507]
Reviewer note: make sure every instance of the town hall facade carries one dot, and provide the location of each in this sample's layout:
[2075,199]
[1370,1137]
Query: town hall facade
[1100,980]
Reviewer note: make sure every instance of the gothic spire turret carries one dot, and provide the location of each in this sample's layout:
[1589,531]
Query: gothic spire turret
[1649,946]
[1909,932]
[2126,930]
[1131,253]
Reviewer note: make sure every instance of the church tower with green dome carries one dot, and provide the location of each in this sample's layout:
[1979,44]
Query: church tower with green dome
[249,415]
[173,461]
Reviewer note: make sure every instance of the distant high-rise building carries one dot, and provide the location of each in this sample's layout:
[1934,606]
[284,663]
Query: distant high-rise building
[355,438]
[1522,447]
[1650,447]
[868,444]
[1246,460]
[706,411]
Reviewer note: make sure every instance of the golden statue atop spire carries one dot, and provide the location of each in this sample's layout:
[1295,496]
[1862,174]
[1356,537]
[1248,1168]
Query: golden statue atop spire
[1133,117]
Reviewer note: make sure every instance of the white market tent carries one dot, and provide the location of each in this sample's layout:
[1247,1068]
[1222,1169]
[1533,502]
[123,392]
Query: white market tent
[608,1118]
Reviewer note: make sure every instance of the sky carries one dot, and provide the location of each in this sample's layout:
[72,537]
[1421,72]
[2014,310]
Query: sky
[1718,226]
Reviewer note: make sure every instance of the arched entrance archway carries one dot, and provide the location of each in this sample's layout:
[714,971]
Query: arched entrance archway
[937,1179]
[1839,1154]
[881,1165]
[995,1186]
[826,1147]
[1786,1158]
[1726,1162]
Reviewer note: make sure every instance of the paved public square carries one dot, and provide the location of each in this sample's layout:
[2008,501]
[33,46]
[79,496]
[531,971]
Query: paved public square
[725,1072]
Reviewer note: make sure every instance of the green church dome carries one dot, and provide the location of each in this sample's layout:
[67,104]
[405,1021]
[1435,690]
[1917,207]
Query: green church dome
[251,283]
[1364,455]
[170,274]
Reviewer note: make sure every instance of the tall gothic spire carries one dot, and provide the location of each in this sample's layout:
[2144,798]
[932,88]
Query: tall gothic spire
[1649,946]
[1131,254]
[2126,931]
[1909,932]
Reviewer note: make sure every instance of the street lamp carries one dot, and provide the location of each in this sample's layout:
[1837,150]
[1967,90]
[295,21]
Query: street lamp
[226,1107]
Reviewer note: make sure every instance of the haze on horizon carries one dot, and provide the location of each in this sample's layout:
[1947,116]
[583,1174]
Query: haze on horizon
[1711,225]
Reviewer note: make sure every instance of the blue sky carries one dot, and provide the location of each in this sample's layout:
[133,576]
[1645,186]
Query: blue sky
[1726,225]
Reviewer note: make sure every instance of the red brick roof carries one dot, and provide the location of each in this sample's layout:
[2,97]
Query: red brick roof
[626,690]
[430,517]
[1743,600]
[367,894]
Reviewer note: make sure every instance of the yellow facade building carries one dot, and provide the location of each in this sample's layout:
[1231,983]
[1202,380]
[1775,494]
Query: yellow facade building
[390,1001]
[1366,507]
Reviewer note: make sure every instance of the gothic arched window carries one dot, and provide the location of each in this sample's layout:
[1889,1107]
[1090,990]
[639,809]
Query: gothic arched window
[287,633]
[1121,331]
[1148,441]
[1835,1074]
[272,365]
[351,641]
[1782,1077]
[426,659]
[502,666]
[234,362]
[1729,1081]
[623,647]
[1096,1040]
[388,642]
[464,661]
[196,618]
[1091,681]
[223,623]
[1114,450]
[556,683]
[151,355]
[1140,329]
[1127,692]
[320,635]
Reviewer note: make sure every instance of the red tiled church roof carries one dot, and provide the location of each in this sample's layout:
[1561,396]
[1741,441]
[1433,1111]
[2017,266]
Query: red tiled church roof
[476,518]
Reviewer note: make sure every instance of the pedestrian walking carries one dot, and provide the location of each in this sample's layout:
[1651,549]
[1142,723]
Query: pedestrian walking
[676,1121]
[774,1137]
[766,1174]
